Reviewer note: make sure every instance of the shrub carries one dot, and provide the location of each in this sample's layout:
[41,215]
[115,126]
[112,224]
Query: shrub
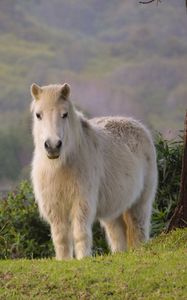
[24,234]
[169,160]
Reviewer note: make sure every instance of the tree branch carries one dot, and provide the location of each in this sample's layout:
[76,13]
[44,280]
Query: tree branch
[147,2]
[158,1]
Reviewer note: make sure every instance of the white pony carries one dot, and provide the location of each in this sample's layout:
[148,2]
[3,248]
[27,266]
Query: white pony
[82,170]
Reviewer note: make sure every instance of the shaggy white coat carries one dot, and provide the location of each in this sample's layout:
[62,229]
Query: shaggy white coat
[106,171]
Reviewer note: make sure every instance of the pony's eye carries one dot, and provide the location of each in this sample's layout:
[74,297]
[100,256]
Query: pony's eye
[39,116]
[65,115]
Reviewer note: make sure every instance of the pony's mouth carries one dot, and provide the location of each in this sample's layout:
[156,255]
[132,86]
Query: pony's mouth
[53,156]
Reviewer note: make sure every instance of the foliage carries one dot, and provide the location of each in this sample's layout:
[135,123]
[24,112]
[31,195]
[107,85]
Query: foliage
[169,159]
[22,232]
[9,156]
[15,146]
[154,271]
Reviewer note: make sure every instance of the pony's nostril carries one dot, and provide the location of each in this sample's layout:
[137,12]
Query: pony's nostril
[47,145]
[52,148]
[59,144]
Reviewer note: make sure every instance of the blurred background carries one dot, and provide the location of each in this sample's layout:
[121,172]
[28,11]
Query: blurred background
[119,57]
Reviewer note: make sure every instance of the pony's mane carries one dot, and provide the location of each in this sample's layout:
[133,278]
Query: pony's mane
[83,120]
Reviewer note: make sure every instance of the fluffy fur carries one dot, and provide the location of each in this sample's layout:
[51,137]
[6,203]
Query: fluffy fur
[106,171]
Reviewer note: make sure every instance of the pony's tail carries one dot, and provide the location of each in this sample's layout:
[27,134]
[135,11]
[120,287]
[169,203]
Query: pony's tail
[132,230]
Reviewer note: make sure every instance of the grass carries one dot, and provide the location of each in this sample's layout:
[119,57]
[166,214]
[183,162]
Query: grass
[157,270]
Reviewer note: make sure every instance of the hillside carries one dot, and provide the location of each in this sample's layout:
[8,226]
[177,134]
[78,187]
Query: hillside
[120,58]
[155,271]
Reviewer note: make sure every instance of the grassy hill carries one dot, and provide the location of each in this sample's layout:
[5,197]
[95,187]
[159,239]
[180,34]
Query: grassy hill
[157,270]
[120,58]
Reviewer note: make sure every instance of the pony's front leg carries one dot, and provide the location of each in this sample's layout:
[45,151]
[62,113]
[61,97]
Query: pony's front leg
[82,232]
[61,236]
[82,239]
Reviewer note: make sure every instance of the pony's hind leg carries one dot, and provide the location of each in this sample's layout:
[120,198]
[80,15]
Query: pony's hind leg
[138,219]
[115,233]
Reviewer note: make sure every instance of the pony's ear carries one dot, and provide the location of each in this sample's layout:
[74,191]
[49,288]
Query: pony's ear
[36,91]
[65,91]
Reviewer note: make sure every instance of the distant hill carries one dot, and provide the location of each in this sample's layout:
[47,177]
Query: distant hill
[119,57]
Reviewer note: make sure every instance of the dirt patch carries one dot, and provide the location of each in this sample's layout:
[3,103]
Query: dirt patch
[6,276]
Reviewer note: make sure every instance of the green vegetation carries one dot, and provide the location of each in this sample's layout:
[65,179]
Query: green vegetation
[24,234]
[154,271]
[169,159]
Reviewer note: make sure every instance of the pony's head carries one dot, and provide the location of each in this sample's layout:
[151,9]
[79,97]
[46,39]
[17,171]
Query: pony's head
[55,126]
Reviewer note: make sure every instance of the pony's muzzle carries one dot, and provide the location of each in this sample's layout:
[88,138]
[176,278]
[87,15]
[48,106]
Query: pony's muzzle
[53,150]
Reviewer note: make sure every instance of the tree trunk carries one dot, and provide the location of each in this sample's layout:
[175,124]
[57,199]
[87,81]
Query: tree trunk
[179,218]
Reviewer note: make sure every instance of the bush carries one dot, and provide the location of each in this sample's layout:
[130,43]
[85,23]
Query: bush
[169,160]
[24,234]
